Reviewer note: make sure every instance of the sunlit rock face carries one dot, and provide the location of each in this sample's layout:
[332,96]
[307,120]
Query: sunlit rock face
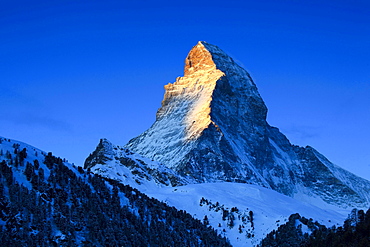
[214,94]
[212,127]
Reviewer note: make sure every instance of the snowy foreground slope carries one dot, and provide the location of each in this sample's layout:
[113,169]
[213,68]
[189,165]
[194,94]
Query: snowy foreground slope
[234,200]
[227,206]
[45,201]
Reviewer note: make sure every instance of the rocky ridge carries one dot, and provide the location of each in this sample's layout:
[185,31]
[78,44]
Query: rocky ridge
[121,164]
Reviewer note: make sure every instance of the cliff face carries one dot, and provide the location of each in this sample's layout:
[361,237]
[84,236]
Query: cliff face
[212,127]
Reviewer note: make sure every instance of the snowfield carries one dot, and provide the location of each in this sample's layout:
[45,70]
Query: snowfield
[270,208]
[226,206]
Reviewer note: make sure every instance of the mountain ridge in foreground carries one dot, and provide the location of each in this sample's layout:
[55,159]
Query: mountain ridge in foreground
[46,201]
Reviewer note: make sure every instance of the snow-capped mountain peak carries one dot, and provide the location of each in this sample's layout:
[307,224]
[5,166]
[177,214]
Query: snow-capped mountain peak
[212,128]
[213,87]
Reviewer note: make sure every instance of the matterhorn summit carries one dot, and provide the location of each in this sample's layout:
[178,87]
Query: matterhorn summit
[203,117]
[212,128]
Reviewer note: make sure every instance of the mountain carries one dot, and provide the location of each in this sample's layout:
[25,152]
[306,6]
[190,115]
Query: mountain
[212,153]
[212,127]
[209,172]
[45,201]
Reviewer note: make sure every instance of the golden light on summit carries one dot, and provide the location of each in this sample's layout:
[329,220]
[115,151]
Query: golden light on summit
[196,88]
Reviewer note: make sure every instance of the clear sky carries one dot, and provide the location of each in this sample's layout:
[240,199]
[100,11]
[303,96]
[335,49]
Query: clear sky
[73,72]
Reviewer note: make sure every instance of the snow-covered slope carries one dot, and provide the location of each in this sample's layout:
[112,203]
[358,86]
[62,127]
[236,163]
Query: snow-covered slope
[212,127]
[244,213]
[45,201]
[121,164]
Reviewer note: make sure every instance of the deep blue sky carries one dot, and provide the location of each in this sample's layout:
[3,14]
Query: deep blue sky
[72,73]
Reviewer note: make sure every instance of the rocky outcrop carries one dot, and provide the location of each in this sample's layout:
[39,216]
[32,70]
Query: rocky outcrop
[121,164]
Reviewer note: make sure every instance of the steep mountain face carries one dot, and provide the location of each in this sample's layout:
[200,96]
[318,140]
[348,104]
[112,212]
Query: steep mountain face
[191,134]
[212,127]
[45,201]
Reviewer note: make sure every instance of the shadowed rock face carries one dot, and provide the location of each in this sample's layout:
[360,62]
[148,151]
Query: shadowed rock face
[212,127]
